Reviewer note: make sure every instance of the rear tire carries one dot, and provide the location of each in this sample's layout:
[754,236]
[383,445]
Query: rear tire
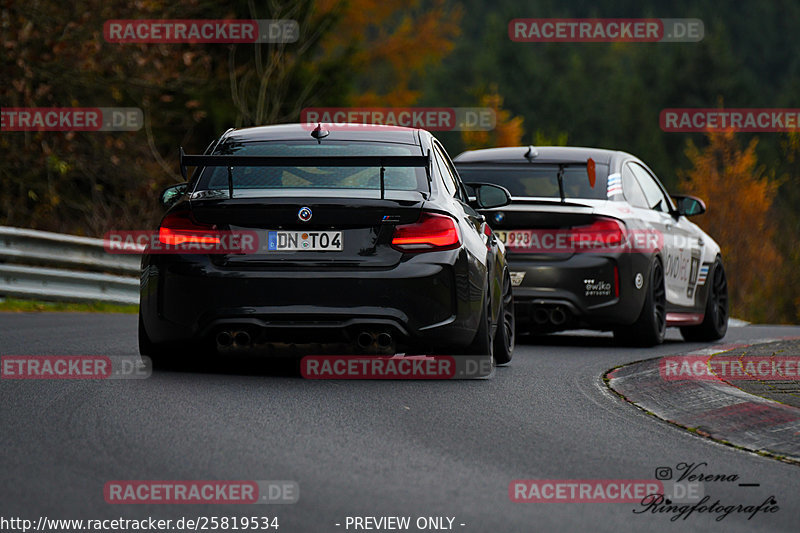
[146,346]
[505,337]
[157,352]
[651,326]
[715,322]
[482,343]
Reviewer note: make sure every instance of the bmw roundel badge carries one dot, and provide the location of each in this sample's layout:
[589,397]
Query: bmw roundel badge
[499,216]
[304,214]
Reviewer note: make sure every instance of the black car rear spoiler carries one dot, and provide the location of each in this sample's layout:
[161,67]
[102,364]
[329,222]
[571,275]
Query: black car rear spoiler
[230,161]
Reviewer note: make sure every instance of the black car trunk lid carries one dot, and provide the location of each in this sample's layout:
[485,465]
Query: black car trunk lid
[357,231]
[531,228]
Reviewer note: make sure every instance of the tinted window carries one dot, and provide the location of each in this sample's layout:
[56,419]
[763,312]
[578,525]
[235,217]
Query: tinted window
[311,177]
[630,188]
[541,180]
[447,177]
[457,181]
[652,192]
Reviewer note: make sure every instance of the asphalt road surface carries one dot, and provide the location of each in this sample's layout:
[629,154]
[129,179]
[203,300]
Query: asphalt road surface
[361,448]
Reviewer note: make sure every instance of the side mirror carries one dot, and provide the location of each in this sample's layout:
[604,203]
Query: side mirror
[171,194]
[689,206]
[488,195]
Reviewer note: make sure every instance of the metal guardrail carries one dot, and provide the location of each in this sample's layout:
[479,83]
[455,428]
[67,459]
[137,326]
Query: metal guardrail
[52,266]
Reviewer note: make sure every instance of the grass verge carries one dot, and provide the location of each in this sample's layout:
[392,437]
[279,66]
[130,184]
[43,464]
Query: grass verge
[34,306]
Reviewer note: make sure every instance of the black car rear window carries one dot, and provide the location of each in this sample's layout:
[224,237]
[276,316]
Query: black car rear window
[313,177]
[540,180]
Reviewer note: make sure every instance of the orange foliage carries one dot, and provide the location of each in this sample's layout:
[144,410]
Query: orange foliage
[790,228]
[508,130]
[740,199]
[393,42]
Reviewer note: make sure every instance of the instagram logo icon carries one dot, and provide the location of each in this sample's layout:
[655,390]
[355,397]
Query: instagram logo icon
[663,473]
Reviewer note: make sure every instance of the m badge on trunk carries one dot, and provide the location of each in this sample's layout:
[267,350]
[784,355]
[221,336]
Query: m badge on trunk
[304,214]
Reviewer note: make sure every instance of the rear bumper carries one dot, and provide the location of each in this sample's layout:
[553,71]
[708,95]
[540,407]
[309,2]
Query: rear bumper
[426,301]
[590,290]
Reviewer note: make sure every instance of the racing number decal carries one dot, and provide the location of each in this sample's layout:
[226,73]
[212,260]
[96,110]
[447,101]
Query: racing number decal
[677,266]
[693,273]
[682,271]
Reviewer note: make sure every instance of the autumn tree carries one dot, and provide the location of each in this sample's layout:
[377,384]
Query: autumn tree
[357,52]
[788,234]
[390,45]
[508,130]
[271,83]
[740,195]
[54,55]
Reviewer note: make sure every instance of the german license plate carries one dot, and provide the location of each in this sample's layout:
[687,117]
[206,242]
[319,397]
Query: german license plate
[304,241]
[516,238]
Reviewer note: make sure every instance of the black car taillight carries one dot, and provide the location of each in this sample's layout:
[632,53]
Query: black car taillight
[602,232]
[431,233]
[181,228]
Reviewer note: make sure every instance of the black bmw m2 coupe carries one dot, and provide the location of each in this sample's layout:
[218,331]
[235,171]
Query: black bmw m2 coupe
[364,237]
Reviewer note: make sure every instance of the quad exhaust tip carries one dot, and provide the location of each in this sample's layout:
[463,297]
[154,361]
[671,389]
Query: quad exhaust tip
[240,339]
[558,316]
[224,338]
[555,316]
[541,316]
[384,340]
[365,339]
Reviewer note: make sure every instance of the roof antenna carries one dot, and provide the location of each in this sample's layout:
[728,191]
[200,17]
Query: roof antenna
[531,153]
[319,133]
